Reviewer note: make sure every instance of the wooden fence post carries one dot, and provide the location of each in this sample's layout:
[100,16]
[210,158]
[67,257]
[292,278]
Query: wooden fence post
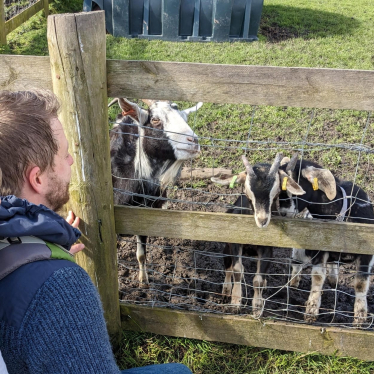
[77,49]
[2,23]
[46,8]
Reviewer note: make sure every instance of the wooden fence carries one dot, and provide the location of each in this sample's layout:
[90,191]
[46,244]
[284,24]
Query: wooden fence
[8,26]
[79,74]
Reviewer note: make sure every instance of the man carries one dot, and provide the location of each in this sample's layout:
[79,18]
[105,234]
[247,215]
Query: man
[51,319]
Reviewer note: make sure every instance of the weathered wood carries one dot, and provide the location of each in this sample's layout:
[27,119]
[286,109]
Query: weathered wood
[342,85]
[77,50]
[256,85]
[2,24]
[236,228]
[247,331]
[46,8]
[24,72]
[203,173]
[22,17]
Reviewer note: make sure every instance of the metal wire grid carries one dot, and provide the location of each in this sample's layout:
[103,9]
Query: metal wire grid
[195,287]
[14,7]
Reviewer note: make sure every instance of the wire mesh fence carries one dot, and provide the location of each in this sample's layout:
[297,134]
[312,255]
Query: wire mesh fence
[189,275]
[14,7]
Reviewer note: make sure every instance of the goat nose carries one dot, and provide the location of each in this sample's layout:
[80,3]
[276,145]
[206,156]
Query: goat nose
[283,214]
[262,222]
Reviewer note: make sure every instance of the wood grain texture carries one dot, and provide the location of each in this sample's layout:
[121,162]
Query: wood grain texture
[203,173]
[236,228]
[2,25]
[77,53]
[246,331]
[22,17]
[19,73]
[255,85]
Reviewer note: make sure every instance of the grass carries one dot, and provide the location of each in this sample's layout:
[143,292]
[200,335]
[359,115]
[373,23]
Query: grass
[325,34]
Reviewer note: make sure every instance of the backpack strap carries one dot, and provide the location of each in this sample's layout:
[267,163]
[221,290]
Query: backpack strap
[18,251]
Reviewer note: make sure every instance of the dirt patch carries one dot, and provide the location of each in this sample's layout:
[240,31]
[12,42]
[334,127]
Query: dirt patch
[188,274]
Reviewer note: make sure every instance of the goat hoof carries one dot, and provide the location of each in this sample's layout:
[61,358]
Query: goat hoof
[235,301]
[332,281]
[257,308]
[295,282]
[360,318]
[311,312]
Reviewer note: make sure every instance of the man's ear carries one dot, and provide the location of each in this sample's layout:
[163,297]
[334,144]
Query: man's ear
[230,180]
[321,179]
[36,180]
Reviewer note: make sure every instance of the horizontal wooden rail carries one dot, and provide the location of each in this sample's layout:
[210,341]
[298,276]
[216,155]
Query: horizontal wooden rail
[236,228]
[22,17]
[256,85]
[246,331]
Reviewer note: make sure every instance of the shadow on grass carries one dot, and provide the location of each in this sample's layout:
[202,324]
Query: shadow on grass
[279,22]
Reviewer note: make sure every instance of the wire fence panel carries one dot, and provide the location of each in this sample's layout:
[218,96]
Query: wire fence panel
[14,7]
[189,274]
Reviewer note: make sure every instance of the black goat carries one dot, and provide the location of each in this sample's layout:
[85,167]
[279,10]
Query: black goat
[263,184]
[148,148]
[328,198]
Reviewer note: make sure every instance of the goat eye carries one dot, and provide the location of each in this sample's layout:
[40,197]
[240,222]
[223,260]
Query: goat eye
[174,106]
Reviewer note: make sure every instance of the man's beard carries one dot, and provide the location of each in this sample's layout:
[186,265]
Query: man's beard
[58,195]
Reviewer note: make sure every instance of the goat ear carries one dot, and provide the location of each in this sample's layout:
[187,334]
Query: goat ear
[227,180]
[325,180]
[290,185]
[285,160]
[133,110]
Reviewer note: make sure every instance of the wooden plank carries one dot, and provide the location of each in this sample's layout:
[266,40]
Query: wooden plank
[256,85]
[77,48]
[46,8]
[203,173]
[247,331]
[22,17]
[236,228]
[2,24]
[19,73]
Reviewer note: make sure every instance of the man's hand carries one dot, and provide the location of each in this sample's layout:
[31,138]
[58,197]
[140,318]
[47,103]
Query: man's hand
[74,221]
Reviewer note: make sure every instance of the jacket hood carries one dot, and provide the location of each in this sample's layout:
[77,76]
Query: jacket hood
[18,217]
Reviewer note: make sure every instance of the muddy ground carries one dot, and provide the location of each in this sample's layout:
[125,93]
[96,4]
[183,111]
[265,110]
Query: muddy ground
[188,274]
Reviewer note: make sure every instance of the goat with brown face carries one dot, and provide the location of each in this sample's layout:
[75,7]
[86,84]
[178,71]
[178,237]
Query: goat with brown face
[148,148]
[263,183]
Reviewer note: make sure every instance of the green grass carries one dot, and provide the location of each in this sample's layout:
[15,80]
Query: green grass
[326,34]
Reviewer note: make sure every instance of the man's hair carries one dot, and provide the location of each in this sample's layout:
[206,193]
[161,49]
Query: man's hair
[26,136]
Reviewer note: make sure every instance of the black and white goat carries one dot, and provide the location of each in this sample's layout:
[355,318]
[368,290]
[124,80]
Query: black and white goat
[148,148]
[328,198]
[263,184]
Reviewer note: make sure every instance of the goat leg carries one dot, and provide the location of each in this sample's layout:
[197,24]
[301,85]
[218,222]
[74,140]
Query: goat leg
[314,301]
[141,242]
[361,284]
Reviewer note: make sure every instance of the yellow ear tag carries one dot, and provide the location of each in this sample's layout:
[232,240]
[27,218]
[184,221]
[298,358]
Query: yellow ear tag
[315,184]
[284,184]
[233,180]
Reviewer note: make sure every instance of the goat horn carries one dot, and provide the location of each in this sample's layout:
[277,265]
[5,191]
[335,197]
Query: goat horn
[194,108]
[291,165]
[148,102]
[274,168]
[248,166]
[113,102]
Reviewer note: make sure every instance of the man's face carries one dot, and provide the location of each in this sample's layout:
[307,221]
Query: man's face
[59,178]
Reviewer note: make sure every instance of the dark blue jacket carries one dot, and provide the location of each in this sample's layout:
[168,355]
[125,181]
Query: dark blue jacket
[51,318]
